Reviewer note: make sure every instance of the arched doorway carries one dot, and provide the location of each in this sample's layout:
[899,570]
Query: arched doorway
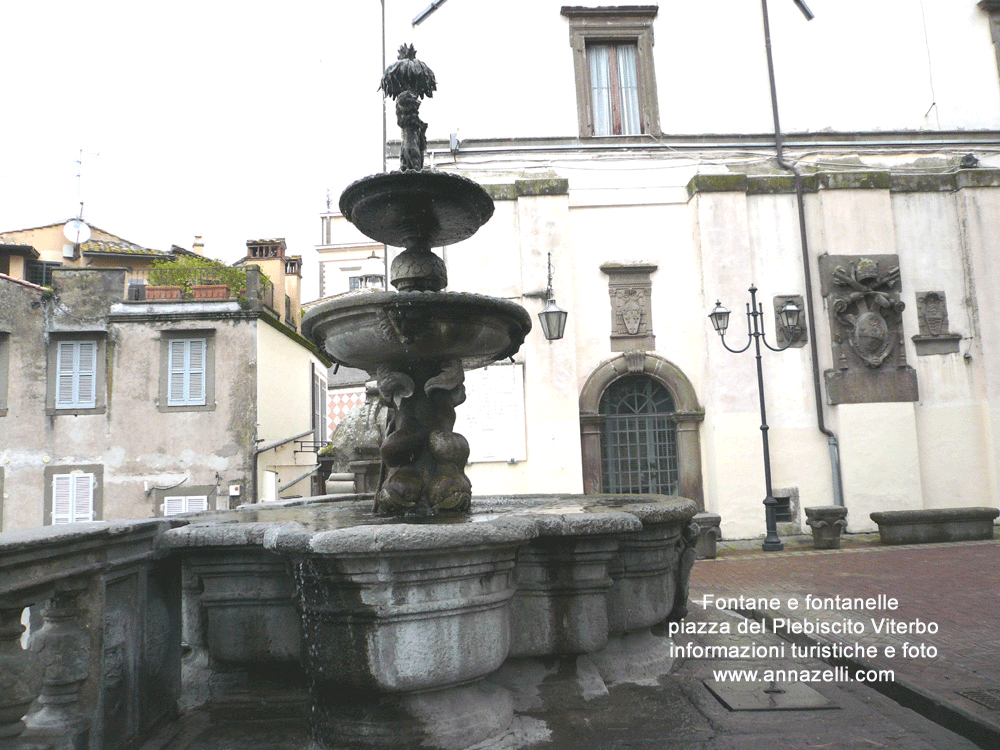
[638,437]
[639,418]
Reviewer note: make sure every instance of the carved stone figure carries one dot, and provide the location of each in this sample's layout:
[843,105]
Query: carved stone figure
[408,81]
[424,457]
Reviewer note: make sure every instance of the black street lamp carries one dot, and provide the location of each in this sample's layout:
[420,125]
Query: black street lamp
[789,318]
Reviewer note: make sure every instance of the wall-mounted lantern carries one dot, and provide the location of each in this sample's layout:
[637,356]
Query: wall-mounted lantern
[553,317]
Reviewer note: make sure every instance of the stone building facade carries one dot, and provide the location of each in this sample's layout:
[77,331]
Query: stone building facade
[645,167]
[112,408]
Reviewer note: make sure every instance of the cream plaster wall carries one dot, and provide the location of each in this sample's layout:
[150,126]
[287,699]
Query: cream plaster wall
[858,66]
[284,406]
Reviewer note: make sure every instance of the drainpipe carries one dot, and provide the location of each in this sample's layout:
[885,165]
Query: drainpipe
[265,449]
[838,490]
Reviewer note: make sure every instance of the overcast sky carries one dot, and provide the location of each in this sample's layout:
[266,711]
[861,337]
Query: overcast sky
[229,120]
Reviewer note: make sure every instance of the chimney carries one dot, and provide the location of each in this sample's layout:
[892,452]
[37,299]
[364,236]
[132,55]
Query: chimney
[198,247]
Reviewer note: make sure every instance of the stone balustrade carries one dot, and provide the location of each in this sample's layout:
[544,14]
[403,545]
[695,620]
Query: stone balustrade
[102,665]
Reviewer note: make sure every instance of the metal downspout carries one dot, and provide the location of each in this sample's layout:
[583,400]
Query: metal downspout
[838,490]
[264,449]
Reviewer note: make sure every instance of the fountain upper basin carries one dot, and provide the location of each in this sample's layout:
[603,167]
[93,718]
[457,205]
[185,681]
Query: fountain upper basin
[369,329]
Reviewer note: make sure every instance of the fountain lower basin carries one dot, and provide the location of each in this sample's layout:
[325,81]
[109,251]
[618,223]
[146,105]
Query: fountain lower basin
[401,329]
[413,633]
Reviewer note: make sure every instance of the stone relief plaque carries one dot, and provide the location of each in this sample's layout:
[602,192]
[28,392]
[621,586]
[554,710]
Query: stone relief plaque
[934,336]
[866,330]
[630,289]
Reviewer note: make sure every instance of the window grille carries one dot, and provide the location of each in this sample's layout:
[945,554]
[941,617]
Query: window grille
[639,438]
[39,272]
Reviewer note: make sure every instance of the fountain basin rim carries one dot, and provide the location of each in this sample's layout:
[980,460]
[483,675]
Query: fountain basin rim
[412,537]
[417,197]
[359,330]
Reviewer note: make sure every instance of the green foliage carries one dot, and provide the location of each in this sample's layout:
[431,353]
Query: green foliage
[186,271]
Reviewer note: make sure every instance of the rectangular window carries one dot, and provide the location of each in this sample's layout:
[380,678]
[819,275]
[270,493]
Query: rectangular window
[353,283]
[76,374]
[184,504]
[4,369]
[186,372]
[318,406]
[39,272]
[614,89]
[613,68]
[73,497]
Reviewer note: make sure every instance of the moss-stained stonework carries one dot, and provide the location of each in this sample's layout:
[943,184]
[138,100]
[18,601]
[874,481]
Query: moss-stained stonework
[528,188]
[899,182]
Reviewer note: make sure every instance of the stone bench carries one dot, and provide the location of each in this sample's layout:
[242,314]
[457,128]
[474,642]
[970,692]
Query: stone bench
[935,525]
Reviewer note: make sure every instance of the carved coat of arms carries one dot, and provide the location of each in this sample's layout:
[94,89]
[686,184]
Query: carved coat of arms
[863,310]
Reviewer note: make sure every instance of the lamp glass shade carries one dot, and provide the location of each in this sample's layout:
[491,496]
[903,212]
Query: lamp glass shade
[720,318]
[553,321]
[789,316]
[372,272]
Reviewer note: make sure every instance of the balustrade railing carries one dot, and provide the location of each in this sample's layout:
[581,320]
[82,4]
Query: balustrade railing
[99,665]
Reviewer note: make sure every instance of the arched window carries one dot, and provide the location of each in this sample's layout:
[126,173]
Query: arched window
[638,437]
[639,418]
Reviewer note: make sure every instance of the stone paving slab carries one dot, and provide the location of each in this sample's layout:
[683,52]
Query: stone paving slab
[948,588]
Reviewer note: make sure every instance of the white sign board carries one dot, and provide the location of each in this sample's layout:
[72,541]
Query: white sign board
[492,417]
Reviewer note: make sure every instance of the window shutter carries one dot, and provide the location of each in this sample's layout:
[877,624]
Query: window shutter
[186,372]
[197,503]
[173,505]
[83,497]
[64,373]
[175,374]
[62,498]
[196,371]
[86,373]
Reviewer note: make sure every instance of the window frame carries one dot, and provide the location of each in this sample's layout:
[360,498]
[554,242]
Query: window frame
[99,403]
[185,500]
[4,371]
[614,25]
[77,473]
[318,404]
[167,339]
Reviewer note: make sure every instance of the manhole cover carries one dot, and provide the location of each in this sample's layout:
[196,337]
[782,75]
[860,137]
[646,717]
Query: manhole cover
[989,697]
[767,696]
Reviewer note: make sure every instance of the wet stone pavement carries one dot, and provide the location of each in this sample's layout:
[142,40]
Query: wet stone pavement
[945,584]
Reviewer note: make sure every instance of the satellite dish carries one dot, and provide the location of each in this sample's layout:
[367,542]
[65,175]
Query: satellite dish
[76,231]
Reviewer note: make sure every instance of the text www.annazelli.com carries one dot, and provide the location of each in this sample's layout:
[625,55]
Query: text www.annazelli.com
[834,674]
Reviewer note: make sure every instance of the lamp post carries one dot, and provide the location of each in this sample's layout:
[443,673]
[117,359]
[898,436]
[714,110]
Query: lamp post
[789,318]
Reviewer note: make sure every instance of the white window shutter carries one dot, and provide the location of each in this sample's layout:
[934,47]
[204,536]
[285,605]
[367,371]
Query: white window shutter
[65,357]
[76,374]
[197,503]
[175,373]
[186,372]
[83,497]
[173,505]
[86,374]
[196,371]
[62,498]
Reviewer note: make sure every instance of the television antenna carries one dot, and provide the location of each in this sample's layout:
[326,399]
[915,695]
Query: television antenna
[76,230]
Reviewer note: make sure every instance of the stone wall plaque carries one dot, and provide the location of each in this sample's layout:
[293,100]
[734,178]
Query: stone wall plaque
[866,330]
[492,418]
[934,336]
[630,289]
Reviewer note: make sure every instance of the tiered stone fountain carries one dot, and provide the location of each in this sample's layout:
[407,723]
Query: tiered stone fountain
[423,618]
